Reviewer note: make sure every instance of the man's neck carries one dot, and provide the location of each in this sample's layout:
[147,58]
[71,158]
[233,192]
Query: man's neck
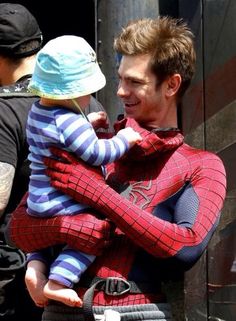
[12,73]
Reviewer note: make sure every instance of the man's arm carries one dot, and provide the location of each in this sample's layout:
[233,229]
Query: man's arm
[7,173]
[184,239]
[195,218]
[84,232]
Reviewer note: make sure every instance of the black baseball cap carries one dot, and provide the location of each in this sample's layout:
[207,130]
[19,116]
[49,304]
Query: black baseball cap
[18,26]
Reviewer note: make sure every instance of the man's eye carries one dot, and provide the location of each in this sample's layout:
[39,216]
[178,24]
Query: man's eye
[136,82]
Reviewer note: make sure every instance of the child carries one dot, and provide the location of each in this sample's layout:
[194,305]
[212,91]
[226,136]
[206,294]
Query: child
[65,75]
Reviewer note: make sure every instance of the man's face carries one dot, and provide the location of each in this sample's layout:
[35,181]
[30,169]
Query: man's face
[138,90]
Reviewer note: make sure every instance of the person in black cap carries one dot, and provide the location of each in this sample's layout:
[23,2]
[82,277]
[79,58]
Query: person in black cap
[20,40]
[18,28]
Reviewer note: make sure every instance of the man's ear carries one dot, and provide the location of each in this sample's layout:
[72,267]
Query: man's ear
[173,84]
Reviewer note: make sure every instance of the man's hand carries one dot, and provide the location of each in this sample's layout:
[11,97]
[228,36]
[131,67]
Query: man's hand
[84,183]
[85,232]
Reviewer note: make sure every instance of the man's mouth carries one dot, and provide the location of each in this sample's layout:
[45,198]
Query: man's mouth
[129,105]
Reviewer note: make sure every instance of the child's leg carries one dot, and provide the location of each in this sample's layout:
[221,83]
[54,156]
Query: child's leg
[58,292]
[64,273]
[35,279]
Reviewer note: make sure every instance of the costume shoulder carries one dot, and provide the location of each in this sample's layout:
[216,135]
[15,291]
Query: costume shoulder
[203,160]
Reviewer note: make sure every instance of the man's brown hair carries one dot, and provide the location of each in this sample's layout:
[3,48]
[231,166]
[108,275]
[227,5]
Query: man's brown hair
[169,41]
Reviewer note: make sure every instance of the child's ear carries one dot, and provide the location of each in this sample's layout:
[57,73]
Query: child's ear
[173,84]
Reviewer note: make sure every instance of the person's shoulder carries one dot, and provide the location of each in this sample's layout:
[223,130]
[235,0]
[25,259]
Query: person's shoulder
[192,150]
[94,105]
[18,89]
[15,99]
[204,158]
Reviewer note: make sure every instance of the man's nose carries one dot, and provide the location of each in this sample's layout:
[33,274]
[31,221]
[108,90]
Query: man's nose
[123,90]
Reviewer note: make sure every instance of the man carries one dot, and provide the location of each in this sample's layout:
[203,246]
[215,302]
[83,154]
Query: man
[21,39]
[164,196]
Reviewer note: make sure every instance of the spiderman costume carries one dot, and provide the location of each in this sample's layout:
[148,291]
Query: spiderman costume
[164,198]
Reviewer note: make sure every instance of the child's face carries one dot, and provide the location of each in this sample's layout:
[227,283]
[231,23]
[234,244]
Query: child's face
[83,101]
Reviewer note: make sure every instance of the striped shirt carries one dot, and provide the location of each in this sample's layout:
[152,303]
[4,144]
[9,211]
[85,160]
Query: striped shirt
[60,127]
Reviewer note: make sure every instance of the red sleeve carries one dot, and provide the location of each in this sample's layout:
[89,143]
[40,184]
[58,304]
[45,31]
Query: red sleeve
[158,237]
[84,231]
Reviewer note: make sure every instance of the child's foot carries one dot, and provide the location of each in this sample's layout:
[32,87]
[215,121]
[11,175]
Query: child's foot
[56,291]
[35,282]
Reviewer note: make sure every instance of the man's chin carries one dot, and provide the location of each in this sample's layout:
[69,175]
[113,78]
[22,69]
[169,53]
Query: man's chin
[129,114]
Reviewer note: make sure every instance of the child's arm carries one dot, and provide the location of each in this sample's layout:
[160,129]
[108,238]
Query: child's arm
[79,136]
[98,120]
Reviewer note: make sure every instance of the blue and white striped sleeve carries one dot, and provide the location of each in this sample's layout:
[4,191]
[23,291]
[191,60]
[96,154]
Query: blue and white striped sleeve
[78,136]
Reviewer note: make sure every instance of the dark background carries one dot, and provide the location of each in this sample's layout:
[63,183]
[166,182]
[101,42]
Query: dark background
[60,18]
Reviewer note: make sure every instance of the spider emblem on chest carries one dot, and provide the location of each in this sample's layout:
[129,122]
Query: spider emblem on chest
[138,193]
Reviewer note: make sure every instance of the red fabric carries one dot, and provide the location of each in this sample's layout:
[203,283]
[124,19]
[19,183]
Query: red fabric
[84,232]
[158,237]
[150,174]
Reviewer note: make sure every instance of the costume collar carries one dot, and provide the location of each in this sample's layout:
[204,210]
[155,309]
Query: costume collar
[154,141]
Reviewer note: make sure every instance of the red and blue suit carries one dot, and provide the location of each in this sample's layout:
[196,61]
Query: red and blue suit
[161,204]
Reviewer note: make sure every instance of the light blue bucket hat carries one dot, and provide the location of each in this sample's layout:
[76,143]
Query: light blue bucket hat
[66,68]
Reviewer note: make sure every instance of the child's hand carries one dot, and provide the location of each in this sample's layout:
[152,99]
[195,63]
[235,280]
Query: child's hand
[98,120]
[132,136]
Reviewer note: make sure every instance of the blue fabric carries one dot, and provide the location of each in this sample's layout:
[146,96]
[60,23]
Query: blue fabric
[66,67]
